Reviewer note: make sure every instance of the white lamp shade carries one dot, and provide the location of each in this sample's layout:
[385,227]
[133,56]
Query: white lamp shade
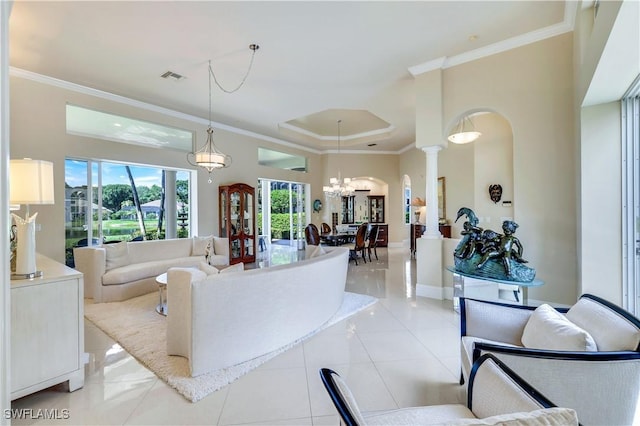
[464,137]
[464,132]
[210,160]
[31,182]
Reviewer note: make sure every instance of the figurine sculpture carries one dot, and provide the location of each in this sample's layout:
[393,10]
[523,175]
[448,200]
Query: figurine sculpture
[488,254]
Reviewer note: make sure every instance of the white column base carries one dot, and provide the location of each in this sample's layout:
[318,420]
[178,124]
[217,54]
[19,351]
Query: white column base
[429,282]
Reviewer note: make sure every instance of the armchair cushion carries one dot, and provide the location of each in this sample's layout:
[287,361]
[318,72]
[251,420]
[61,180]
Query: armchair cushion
[610,328]
[549,329]
[544,416]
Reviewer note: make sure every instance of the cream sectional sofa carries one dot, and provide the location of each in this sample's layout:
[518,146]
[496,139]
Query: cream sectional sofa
[221,320]
[116,272]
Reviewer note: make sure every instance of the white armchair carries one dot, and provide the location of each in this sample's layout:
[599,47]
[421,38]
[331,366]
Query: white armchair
[496,396]
[586,357]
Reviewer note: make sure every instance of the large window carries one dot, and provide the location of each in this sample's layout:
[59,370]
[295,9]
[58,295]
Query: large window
[109,202]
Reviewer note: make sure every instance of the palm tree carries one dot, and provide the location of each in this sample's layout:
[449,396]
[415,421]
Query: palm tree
[136,202]
[161,213]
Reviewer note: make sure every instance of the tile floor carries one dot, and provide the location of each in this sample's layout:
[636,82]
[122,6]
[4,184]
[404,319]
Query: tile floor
[401,352]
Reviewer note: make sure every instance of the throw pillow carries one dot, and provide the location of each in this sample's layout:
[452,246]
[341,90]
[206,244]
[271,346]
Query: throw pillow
[199,245]
[319,251]
[117,255]
[208,269]
[238,267]
[549,329]
[610,330]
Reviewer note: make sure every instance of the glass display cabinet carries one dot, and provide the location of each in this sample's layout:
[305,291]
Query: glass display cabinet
[376,208]
[348,209]
[237,221]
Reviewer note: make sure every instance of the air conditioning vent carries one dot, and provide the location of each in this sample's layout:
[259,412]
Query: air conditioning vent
[170,75]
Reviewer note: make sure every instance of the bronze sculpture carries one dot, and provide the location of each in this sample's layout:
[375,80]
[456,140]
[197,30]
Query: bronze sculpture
[488,254]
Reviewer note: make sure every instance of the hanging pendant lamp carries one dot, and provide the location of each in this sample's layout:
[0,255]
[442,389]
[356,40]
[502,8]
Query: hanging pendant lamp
[209,156]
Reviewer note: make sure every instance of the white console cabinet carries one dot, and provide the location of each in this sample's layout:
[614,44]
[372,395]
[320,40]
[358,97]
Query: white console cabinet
[47,329]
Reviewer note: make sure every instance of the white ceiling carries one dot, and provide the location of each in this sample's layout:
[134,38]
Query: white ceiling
[313,56]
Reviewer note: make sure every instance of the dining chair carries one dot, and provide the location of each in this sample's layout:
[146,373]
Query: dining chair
[311,235]
[326,229]
[372,241]
[359,244]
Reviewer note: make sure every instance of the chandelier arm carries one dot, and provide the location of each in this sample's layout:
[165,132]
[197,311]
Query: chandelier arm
[253,48]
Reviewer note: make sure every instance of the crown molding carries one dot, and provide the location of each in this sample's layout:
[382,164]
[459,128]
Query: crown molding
[512,43]
[355,136]
[342,151]
[428,66]
[28,75]
[407,148]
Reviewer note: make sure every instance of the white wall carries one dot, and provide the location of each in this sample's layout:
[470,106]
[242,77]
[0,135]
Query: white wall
[532,88]
[493,164]
[600,198]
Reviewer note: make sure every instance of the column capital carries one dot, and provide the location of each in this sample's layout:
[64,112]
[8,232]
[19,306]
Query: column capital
[433,149]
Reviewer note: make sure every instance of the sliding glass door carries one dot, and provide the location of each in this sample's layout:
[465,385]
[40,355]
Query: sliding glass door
[282,210]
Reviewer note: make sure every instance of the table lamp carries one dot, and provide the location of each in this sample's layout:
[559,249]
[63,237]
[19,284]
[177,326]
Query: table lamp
[30,182]
[421,210]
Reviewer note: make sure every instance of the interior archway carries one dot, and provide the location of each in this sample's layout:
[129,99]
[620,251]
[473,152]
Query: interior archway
[470,170]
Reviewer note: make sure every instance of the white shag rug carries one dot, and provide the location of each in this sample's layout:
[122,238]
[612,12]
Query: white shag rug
[142,332]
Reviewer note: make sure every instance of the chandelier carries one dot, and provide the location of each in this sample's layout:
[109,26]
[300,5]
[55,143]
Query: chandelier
[209,156]
[338,187]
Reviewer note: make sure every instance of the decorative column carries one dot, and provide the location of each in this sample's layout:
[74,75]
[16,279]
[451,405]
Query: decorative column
[170,205]
[433,230]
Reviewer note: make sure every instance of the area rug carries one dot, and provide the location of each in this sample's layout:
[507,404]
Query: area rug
[141,331]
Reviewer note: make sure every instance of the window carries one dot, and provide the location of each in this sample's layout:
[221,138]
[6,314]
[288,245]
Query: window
[281,160]
[631,197]
[108,202]
[87,122]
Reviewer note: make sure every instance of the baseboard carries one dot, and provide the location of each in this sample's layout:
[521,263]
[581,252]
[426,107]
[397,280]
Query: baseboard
[430,291]
[448,293]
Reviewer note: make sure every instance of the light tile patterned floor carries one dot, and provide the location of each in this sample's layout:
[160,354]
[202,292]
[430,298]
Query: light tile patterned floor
[401,352]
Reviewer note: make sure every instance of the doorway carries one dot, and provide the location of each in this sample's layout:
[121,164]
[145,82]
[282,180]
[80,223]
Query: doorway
[282,212]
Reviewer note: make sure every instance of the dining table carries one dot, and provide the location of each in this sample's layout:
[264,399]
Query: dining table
[337,238]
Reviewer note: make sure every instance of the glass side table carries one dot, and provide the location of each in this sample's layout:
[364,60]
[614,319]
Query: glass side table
[492,289]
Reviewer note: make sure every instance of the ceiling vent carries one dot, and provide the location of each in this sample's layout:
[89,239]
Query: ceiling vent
[170,75]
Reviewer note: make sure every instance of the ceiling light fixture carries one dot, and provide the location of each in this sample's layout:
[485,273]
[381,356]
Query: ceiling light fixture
[339,187]
[464,131]
[209,156]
